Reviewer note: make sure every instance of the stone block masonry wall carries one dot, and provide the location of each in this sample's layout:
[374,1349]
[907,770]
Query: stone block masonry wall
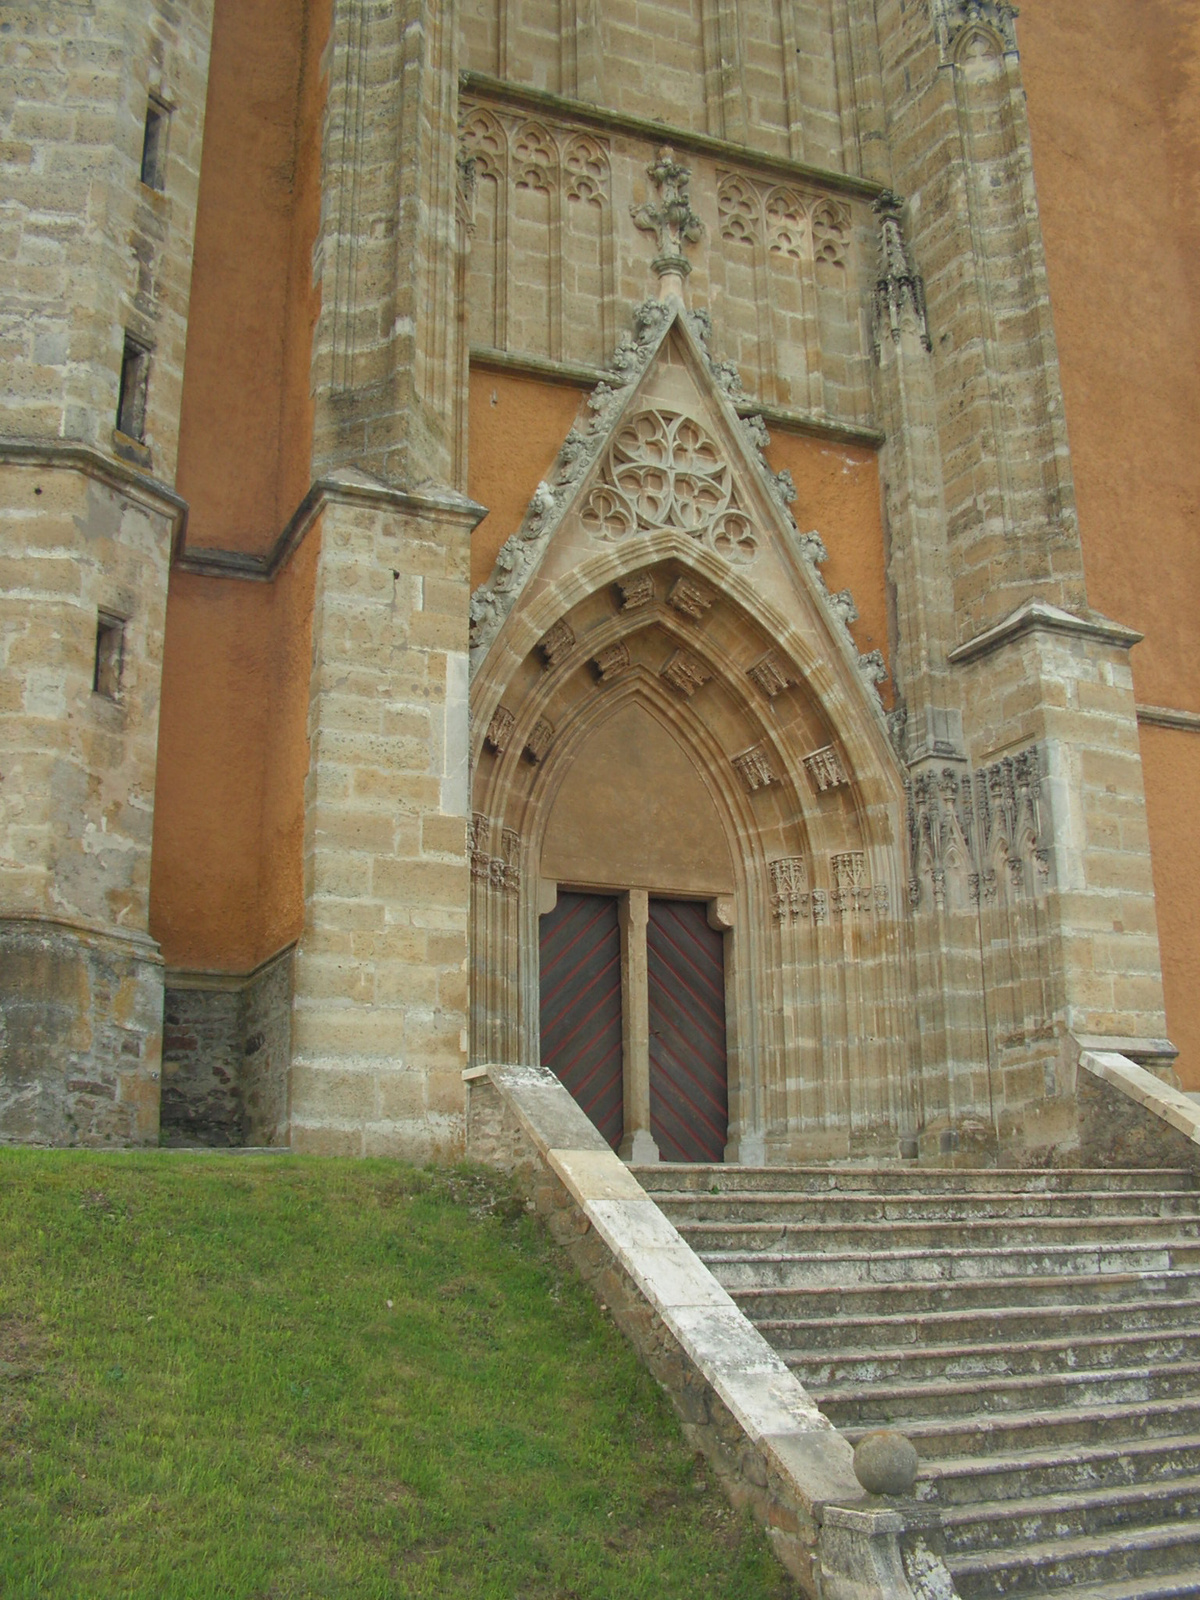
[80,1036]
[88,251]
[380,1012]
[761,72]
[77,767]
[1070,688]
[77,776]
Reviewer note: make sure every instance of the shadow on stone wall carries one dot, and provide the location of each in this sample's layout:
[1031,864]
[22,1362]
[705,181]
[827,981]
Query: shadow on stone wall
[226,1050]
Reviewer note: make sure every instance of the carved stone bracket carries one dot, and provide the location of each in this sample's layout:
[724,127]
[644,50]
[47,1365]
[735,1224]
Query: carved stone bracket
[825,769]
[539,741]
[754,768]
[611,661]
[690,599]
[556,644]
[636,591]
[684,673]
[499,729]
[771,674]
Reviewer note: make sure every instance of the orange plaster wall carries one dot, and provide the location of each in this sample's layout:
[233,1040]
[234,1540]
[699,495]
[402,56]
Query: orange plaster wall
[839,497]
[1114,107]
[517,425]
[247,422]
[1171,765]
[226,874]
[516,428]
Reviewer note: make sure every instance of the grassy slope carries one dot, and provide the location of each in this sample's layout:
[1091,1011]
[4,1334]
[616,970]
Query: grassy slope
[204,1391]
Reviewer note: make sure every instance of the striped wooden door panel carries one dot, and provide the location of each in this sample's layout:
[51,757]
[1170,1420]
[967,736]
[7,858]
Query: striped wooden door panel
[581,1005]
[689,1090]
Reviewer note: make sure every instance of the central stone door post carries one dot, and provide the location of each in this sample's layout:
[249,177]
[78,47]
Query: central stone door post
[637,1145]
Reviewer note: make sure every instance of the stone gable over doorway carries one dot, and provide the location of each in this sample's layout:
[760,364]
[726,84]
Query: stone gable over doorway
[666,700]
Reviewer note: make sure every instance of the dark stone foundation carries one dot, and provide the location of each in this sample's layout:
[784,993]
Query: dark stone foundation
[226,1049]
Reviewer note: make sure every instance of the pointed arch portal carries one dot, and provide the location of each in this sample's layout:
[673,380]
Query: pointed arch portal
[670,721]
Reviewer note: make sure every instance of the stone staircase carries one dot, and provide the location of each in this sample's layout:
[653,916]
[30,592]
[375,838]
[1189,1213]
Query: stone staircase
[1035,1334]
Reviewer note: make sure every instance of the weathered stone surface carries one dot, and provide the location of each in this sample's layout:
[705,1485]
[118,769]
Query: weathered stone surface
[80,1036]
[226,1053]
[736,1398]
[885,1462]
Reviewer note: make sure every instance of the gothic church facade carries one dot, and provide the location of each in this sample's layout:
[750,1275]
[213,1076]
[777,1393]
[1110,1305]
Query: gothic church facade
[656,537]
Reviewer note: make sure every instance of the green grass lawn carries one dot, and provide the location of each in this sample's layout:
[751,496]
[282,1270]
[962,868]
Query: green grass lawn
[254,1376]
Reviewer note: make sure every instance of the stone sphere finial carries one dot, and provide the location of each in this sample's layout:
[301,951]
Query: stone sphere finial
[885,1462]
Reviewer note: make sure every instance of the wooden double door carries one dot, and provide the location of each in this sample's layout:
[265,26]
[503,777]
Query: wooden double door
[601,997]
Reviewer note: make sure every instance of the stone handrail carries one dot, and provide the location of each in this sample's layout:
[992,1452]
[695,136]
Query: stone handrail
[738,1401]
[1130,1117]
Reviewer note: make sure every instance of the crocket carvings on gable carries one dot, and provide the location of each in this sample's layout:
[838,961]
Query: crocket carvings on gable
[655,462]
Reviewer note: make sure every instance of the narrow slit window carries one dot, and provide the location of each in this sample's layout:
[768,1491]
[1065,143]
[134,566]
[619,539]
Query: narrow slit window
[154,145]
[135,382]
[110,655]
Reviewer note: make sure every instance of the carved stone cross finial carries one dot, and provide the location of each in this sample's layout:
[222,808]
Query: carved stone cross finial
[671,219]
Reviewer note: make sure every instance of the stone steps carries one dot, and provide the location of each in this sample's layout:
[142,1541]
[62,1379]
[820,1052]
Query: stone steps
[920,1297]
[904,1178]
[739,1269]
[1036,1335]
[798,1207]
[1172,1586]
[1056,1565]
[983,1362]
[967,1480]
[928,1236]
[897,1403]
[895,1332]
[1070,1515]
[980,1432]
